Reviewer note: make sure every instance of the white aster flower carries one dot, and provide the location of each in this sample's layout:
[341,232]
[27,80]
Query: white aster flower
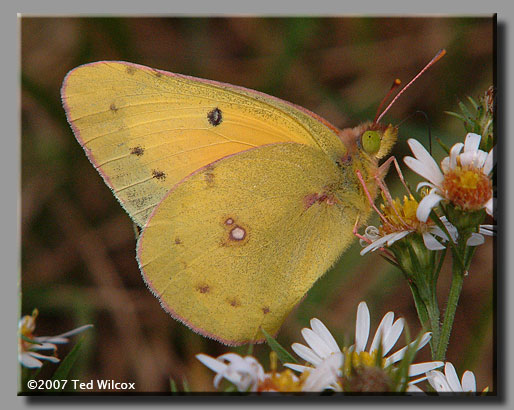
[387,334]
[328,362]
[398,221]
[247,375]
[448,382]
[463,179]
[325,375]
[244,372]
[28,355]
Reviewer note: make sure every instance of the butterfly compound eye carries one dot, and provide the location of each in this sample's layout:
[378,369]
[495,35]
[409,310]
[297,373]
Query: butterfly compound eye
[371,141]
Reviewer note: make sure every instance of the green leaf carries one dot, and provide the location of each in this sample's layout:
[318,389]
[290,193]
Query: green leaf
[249,352]
[185,385]
[283,355]
[443,145]
[454,114]
[465,110]
[173,386]
[473,103]
[67,363]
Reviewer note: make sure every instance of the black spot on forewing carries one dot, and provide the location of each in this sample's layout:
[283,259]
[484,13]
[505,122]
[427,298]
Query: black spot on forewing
[137,151]
[265,310]
[161,176]
[215,117]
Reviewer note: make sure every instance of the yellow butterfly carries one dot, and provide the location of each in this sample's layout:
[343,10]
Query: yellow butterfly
[244,199]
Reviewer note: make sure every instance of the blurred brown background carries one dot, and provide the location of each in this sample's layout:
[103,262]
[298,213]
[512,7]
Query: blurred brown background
[78,246]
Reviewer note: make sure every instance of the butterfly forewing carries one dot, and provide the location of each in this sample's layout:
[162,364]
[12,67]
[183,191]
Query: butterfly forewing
[145,130]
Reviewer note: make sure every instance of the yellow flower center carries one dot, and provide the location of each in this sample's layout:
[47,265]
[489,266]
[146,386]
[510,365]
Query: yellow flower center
[354,360]
[401,216]
[467,187]
[285,381]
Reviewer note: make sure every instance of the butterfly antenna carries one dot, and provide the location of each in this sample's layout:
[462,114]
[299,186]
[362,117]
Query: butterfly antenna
[394,86]
[434,60]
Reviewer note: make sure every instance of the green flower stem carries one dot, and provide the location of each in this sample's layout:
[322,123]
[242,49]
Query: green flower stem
[433,312]
[449,314]
[462,256]
[420,305]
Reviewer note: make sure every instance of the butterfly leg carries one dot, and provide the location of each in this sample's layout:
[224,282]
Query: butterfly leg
[356,232]
[382,171]
[369,241]
[379,178]
[368,195]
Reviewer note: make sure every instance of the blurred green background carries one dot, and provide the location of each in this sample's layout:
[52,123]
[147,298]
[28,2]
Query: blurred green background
[78,247]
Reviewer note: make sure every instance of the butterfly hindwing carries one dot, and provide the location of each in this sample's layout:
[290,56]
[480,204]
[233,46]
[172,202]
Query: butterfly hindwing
[235,246]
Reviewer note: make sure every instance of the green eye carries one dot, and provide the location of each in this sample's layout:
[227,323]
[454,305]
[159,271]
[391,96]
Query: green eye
[371,141]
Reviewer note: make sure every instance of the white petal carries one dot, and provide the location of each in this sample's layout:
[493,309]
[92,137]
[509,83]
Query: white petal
[414,389]
[396,356]
[489,207]
[211,363]
[431,167]
[438,381]
[424,340]
[66,334]
[393,335]
[44,346]
[297,367]
[451,229]
[362,327]
[445,165]
[420,368]
[396,236]
[306,354]
[383,328]
[472,142]
[489,230]
[316,343]
[454,152]
[426,205]
[231,358]
[379,243]
[468,382]
[452,378]
[433,175]
[475,240]
[467,158]
[489,162]
[318,326]
[28,361]
[326,374]
[43,357]
[436,231]
[480,159]
[432,243]
[422,184]
[53,339]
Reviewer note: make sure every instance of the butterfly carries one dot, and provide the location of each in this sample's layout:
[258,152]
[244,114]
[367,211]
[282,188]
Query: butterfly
[244,200]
